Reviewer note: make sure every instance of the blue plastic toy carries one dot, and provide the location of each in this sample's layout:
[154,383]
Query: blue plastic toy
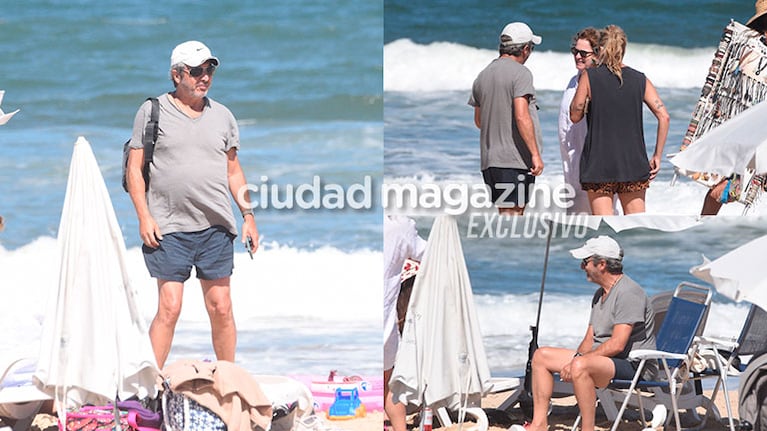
[347,405]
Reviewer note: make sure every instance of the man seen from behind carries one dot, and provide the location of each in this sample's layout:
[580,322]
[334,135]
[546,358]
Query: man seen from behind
[505,111]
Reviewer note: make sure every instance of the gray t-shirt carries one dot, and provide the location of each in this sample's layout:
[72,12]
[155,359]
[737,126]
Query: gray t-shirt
[494,90]
[189,185]
[626,303]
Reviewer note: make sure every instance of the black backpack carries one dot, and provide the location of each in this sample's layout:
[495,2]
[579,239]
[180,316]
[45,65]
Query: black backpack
[148,139]
[752,395]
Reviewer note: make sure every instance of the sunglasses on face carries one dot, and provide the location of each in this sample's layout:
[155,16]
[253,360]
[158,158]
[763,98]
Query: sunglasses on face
[581,52]
[196,72]
[585,261]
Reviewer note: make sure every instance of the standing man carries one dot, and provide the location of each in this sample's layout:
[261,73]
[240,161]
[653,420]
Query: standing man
[185,216]
[506,114]
[622,319]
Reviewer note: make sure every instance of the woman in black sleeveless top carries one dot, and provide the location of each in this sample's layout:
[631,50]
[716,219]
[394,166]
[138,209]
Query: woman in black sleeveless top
[614,158]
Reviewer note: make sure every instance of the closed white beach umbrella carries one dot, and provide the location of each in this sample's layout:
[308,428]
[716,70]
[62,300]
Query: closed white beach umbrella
[441,359]
[731,147]
[94,343]
[737,274]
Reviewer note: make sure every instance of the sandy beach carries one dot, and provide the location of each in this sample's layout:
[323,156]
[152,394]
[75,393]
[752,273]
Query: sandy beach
[565,410]
[371,421]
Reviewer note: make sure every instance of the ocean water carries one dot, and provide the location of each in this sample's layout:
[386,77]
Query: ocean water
[303,79]
[432,54]
[433,51]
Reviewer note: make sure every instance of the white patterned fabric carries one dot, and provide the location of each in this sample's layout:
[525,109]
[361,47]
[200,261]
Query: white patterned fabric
[184,414]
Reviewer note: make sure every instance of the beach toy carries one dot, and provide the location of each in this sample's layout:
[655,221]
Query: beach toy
[347,405]
[323,388]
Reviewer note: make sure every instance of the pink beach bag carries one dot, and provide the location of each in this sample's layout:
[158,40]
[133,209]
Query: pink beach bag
[96,418]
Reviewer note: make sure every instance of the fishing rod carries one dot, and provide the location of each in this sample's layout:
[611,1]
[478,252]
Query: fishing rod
[526,397]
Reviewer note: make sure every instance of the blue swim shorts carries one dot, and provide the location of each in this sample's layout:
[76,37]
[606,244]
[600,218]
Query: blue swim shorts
[624,369]
[509,187]
[210,251]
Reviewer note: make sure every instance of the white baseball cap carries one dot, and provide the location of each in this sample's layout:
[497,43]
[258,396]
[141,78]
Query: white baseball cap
[519,33]
[192,53]
[602,245]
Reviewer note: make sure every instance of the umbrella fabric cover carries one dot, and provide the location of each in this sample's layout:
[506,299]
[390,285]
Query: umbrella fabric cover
[94,342]
[441,358]
[3,116]
[738,274]
[730,148]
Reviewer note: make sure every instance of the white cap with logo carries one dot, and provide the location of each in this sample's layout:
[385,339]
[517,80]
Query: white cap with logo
[192,53]
[602,245]
[519,33]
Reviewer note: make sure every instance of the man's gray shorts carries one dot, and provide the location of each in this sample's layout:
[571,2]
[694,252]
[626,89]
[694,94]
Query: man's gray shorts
[210,251]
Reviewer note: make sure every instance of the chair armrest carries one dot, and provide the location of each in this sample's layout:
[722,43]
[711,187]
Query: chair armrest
[654,354]
[728,344]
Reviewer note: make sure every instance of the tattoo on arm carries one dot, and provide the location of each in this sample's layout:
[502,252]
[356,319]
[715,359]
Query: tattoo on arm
[658,104]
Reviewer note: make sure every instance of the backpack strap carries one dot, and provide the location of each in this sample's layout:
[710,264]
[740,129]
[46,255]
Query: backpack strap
[597,296]
[150,131]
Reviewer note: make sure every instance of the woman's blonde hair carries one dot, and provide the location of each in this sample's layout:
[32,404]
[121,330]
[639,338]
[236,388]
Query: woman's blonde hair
[612,48]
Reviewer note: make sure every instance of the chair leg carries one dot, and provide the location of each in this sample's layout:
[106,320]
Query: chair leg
[729,409]
[723,367]
[628,395]
[577,422]
[641,409]
[480,416]
[512,399]
[605,398]
[443,416]
[673,388]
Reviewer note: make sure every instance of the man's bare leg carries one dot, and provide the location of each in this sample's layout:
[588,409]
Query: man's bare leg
[218,303]
[170,295]
[589,372]
[546,361]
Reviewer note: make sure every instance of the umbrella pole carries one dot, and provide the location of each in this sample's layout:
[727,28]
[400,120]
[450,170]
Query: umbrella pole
[543,277]
[526,397]
[116,413]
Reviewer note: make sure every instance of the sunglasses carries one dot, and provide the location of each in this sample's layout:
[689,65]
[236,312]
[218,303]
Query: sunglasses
[581,52]
[197,71]
[585,261]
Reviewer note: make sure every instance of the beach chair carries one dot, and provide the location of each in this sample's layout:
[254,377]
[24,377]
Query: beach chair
[674,353]
[20,400]
[727,357]
[660,303]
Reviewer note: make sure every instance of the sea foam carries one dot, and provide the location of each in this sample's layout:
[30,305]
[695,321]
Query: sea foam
[280,282]
[447,66]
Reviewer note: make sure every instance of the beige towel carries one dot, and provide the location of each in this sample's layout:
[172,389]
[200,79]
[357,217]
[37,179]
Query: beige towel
[223,387]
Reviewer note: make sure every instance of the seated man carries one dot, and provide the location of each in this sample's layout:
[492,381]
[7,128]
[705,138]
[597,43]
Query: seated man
[622,319]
